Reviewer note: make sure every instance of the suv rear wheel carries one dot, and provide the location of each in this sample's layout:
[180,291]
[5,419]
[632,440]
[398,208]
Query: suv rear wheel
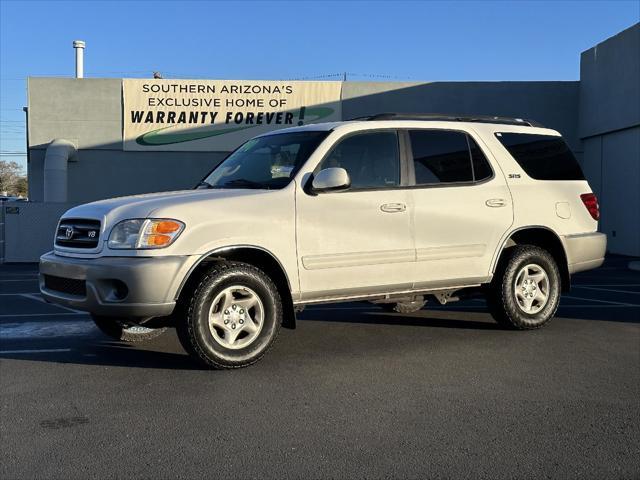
[119,329]
[233,316]
[525,291]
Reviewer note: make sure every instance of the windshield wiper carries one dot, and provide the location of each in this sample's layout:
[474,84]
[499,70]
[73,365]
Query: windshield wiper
[204,184]
[243,182]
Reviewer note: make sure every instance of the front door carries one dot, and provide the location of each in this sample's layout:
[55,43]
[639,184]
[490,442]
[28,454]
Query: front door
[358,241]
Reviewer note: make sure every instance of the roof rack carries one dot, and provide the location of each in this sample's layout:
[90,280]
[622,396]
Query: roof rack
[439,117]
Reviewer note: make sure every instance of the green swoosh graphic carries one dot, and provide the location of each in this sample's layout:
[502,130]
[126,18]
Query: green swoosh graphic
[155,137]
[161,137]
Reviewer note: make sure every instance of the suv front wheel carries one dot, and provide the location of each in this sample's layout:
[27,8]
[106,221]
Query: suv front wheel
[233,316]
[525,291]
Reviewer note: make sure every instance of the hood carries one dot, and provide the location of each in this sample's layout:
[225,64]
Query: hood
[113,210]
[213,219]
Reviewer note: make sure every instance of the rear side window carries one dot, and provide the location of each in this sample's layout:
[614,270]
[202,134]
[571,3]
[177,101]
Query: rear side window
[446,156]
[371,159]
[481,168]
[542,157]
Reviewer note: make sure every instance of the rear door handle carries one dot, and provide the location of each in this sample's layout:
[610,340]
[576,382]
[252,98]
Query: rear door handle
[496,202]
[393,207]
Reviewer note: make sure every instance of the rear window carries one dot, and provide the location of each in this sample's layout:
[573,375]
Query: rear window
[447,156]
[542,157]
[440,156]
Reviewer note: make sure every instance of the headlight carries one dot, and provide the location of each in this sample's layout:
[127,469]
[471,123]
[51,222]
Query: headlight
[145,233]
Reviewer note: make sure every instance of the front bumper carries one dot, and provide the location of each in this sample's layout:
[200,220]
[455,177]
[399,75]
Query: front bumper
[116,286]
[585,251]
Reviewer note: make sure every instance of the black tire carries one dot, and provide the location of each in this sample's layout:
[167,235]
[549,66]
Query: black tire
[403,307]
[195,333]
[501,296]
[118,329]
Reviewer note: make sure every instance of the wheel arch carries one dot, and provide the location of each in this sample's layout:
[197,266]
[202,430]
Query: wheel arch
[257,256]
[542,237]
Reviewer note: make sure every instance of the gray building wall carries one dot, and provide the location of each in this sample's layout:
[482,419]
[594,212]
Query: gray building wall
[88,112]
[554,104]
[609,126]
[609,80]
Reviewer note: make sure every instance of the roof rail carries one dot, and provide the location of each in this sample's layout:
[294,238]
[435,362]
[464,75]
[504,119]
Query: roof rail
[439,117]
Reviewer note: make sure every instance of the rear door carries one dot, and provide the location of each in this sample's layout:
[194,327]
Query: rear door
[462,207]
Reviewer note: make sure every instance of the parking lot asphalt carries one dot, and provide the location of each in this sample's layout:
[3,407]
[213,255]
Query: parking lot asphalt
[353,392]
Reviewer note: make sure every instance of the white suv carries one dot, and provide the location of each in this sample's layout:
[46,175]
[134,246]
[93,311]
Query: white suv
[393,209]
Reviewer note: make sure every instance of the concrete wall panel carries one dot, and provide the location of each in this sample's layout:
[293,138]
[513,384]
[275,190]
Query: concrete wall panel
[99,174]
[554,104]
[609,124]
[87,111]
[592,163]
[30,229]
[620,197]
[610,84]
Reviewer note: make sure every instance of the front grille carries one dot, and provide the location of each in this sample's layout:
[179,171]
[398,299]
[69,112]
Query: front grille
[78,233]
[65,285]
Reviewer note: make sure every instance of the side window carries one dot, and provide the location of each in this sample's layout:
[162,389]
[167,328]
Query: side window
[371,159]
[440,156]
[481,168]
[543,157]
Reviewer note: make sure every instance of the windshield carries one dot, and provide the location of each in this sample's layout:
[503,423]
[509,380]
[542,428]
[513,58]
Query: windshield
[268,162]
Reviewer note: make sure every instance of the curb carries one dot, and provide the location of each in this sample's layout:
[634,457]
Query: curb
[634,266]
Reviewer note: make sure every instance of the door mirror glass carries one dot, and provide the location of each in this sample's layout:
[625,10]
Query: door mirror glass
[331,180]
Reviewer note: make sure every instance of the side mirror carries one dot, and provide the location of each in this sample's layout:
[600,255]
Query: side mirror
[331,180]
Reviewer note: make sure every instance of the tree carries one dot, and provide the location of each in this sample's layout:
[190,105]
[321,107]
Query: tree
[22,186]
[13,181]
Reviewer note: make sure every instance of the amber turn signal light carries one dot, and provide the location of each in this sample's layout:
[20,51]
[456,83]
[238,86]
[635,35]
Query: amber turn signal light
[165,226]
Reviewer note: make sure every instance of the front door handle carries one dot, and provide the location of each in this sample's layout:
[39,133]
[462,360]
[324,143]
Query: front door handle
[393,207]
[496,202]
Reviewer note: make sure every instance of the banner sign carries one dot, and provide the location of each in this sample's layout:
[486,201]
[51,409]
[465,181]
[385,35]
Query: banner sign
[219,115]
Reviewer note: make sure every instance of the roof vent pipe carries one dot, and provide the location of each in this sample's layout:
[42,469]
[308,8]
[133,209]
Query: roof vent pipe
[79,46]
[58,153]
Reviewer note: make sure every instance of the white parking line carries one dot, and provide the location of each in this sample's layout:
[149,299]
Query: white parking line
[20,329]
[607,289]
[22,274]
[621,305]
[319,309]
[42,350]
[478,307]
[600,306]
[18,294]
[601,301]
[15,315]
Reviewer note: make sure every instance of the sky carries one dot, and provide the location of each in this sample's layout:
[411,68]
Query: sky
[377,41]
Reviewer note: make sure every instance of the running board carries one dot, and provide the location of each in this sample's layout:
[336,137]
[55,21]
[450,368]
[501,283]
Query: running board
[445,292]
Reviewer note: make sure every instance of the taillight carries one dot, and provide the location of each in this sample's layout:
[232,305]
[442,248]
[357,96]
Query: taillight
[591,202]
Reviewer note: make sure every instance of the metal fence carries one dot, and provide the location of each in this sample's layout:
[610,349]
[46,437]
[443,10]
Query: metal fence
[27,229]
[2,202]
